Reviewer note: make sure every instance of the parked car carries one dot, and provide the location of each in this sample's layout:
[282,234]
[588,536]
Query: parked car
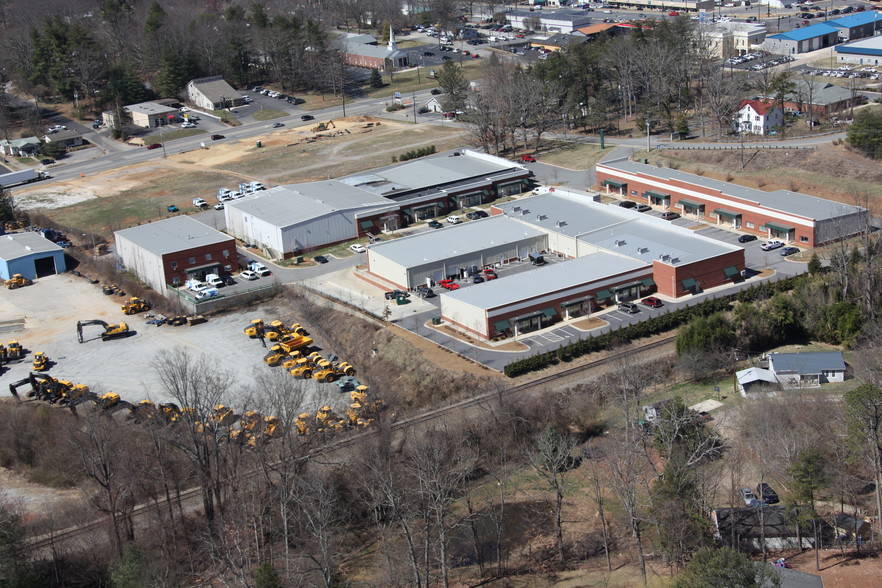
[746,238]
[628,307]
[749,497]
[248,275]
[770,245]
[396,294]
[357,248]
[643,208]
[154,146]
[454,220]
[307,117]
[490,274]
[425,292]
[477,279]
[188,125]
[172,208]
[789,251]
[668,216]
[219,206]
[527,158]
[47,161]
[435,224]
[229,281]
[673,13]
[200,203]
[448,284]
[320,259]
[652,302]
[627,204]
[259,268]
[765,492]
[217,137]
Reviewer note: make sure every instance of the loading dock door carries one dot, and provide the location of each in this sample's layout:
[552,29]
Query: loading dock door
[45,266]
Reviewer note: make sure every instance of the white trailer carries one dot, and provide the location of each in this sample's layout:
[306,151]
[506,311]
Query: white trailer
[22,177]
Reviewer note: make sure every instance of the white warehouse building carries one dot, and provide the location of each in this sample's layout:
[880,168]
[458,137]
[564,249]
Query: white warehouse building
[301,217]
[411,261]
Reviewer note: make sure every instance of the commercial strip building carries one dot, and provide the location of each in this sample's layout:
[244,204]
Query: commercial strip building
[792,217]
[612,255]
[31,255]
[290,220]
[213,93]
[174,250]
[811,38]
[865,52]
[148,115]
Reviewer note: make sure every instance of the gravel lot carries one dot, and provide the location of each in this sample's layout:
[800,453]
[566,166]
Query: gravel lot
[52,306]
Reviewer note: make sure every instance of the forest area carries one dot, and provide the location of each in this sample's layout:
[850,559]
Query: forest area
[568,479]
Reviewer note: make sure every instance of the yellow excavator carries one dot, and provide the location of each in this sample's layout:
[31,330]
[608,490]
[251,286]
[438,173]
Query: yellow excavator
[17,281]
[41,362]
[324,126]
[110,331]
[134,306]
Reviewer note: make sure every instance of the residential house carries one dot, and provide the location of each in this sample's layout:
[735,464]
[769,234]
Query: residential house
[20,147]
[213,93]
[67,138]
[823,98]
[849,528]
[758,117]
[799,370]
[747,528]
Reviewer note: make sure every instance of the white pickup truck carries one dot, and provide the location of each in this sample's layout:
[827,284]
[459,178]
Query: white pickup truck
[259,268]
[200,203]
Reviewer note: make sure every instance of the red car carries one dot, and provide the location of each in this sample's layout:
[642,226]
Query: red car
[489,274]
[154,146]
[652,302]
[527,158]
[448,284]
[673,13]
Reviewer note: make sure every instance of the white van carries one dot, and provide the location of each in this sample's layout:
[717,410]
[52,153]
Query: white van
[259,268]
[215,280]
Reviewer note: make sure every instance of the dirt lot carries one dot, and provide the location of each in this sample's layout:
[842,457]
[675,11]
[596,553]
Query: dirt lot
[139,193]
[52,306]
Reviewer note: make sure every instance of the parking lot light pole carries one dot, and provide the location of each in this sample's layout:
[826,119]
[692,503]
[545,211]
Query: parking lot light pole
[648,144]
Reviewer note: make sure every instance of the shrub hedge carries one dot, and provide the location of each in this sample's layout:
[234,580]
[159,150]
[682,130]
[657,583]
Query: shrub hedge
[659,324]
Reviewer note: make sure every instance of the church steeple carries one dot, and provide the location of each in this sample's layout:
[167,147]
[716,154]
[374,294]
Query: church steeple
[392,45]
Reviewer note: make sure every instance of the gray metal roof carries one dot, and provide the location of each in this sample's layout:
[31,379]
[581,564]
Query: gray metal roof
[621,230]
[375,51]
[806,364]
[434,171]
[360,39]
[285,206]
[440,244]
[796,203]
[543,280]
[177,233]
[17,245]
[755,374]
[547,15]
[822,93]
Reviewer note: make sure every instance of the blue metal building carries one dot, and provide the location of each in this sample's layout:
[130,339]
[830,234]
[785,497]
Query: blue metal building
[31,255]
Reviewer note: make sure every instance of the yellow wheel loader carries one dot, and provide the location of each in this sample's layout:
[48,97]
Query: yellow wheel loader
[134,306]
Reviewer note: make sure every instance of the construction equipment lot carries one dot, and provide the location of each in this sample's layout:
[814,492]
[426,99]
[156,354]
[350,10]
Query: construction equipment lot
[50,309]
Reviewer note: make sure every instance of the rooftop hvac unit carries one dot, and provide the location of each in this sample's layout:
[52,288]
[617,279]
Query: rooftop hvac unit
[642,249]
[516,209]
[525,212]
[541,217]
[561,223]
[619,242]
[675,260]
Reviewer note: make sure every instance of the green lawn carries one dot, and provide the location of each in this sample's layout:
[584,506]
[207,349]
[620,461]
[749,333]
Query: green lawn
[269,114]
[418,79]
[176,134]
[573,155]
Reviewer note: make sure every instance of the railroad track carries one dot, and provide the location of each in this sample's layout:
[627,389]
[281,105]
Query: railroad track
[36,544]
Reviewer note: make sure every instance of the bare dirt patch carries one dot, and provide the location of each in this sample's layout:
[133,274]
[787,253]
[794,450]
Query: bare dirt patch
[32,501]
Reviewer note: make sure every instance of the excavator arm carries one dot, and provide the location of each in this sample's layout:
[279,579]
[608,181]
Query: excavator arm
[82,324]
[13,387]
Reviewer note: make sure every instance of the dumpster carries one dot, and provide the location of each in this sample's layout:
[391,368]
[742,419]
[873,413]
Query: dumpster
[259,144]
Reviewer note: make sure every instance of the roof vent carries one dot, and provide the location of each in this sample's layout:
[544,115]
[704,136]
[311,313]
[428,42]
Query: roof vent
[642,249]
[28,247]
[516,209]
[620,242]
[541,217]
[561,223]
[675,260]
[525,212]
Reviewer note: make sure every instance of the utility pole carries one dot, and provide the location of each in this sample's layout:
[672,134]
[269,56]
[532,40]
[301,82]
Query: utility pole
[413,100]
[648,144]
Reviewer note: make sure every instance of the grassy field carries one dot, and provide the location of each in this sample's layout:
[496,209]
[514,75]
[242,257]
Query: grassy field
[145,203]
[269,114]
[573,155]
[177,134]
[418,79]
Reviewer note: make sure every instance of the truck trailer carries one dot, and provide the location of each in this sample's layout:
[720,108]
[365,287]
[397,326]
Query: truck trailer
[22,177]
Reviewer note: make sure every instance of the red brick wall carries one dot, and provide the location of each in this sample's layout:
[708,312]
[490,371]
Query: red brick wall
[198,254]
[674,186]
[708,273]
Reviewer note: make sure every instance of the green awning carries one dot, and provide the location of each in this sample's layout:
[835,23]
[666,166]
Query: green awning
[367,224]
[527,317]
[647,282]
[656,194]
[691,203]
[549,312]
[613,183]
[784,228]
[731,271]
[728,213]
[501,326]
[689,283]
[603,294]
[624,287]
